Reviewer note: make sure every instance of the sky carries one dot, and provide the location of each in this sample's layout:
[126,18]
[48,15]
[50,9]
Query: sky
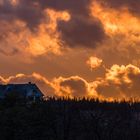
[72,48]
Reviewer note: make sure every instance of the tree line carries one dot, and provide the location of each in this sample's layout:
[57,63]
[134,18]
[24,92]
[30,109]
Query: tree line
[69,119]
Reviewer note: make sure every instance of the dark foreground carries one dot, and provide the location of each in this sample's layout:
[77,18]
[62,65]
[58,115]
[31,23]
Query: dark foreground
[69,120]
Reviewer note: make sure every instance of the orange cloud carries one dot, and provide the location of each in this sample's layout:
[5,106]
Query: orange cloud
[17,37]
[47,38]
[94,62]
[120,82]
[123,31]
[42,27]
[116,21]
[73,86]
[41,81]
[70,87]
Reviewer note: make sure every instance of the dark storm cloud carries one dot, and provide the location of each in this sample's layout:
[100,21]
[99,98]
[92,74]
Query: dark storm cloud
[73,6]
[31,11]
[81,32]
[26,10]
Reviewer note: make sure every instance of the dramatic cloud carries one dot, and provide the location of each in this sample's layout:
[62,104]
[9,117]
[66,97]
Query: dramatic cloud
[32,30]
[17,38]
[56,39]
[120,82]
[41,81]
[79,6]
[122,28]
[42,27]
[132,6]
[47,38]
[94,62]
[81,32]
[26,10]
[114,21]
[71,87]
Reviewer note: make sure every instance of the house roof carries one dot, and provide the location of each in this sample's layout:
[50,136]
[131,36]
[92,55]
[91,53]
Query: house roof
[24,89]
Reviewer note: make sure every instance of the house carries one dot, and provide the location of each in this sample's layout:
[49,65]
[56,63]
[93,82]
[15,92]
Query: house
[26,91]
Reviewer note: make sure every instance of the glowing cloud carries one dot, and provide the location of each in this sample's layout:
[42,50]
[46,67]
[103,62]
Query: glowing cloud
[94,62]
[59,35]
[73,86]
[122,28]
[120,82]
[70,87]
[116,21]
[47,38]
[41,81]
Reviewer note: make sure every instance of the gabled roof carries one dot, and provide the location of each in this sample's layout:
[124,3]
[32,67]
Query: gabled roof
[23,89]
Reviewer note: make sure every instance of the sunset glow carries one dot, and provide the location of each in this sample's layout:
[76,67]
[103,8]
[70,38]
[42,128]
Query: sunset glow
[83,48]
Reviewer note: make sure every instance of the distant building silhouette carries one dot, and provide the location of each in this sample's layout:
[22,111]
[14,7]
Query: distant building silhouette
[27,91]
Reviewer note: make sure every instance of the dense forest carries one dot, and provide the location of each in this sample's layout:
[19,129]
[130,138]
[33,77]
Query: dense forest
[69,119]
